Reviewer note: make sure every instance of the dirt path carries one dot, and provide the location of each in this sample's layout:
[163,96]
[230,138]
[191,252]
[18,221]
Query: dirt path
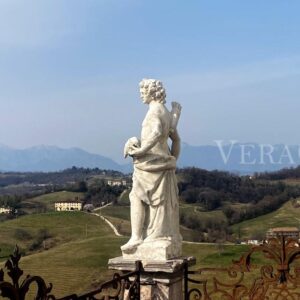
[110,224]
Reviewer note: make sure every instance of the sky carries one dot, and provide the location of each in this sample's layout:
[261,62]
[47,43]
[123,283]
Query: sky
[69,70]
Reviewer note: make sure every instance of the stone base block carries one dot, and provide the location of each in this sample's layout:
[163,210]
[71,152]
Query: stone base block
[160,289]
[160,280]
[155,250]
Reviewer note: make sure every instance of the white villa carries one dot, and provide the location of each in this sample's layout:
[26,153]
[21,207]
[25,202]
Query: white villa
[5,210]
[68,205]
[117,182]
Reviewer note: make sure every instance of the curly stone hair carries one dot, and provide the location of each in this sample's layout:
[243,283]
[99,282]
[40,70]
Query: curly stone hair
[155,89]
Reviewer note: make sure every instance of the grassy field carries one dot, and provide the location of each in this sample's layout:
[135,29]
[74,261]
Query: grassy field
[198,211]
[120,212]
[212,255]
[81,245]
[84,243]
[77,261]
[62,227]
[76,266]
[46,202]
[80,265]
[287,215]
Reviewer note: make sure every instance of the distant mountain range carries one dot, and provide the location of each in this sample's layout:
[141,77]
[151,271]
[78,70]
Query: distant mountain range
[239,158]
[242,158]
[52,158]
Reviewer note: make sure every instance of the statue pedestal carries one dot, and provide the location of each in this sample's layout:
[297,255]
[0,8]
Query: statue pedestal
[160,250]
[159,279]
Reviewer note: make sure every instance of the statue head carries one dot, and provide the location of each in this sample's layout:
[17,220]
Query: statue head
[152,90]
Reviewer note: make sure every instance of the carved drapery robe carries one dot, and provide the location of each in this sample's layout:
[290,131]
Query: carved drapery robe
[154,179]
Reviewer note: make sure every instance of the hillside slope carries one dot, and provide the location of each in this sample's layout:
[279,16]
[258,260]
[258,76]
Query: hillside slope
[286,215]
[76,251]
[78,261]
[61,227]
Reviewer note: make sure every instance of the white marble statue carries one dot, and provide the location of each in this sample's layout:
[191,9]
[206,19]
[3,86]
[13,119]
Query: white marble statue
[154,195]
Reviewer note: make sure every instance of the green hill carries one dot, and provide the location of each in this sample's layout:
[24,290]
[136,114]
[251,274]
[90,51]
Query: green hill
[286,215]
[83,243]
[76,266]
[77,252]
[61,227]
[120,212]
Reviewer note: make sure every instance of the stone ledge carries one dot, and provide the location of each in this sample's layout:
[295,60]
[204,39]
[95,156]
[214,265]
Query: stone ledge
[151,266]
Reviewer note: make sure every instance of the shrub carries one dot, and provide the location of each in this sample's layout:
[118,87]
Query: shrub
[22,235]
[42,235]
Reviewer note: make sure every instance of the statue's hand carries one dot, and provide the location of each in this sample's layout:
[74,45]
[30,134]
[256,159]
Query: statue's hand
[135,151]
[132,143]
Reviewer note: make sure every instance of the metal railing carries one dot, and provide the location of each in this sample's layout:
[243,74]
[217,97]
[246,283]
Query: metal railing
[278,278]
[274,275]
[18,289]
